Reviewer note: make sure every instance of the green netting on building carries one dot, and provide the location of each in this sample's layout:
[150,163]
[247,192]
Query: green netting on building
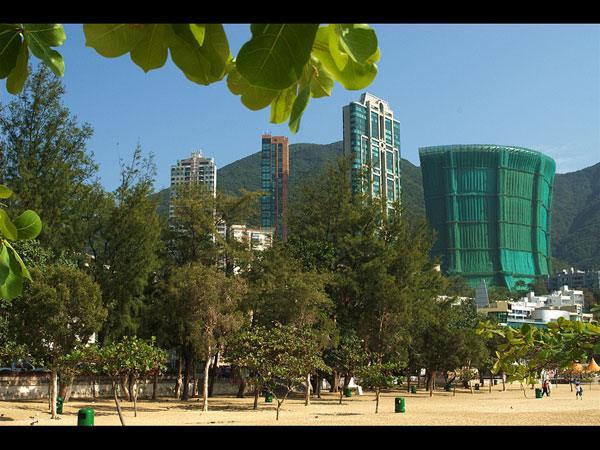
[490,206]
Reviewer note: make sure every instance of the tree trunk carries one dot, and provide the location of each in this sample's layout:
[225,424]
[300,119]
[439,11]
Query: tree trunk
[178,381]
[317,379]
[205,389]
[65,386]
[52,389]
[194,378]
[242,379]
[256,394]
[377,392]
[124,382]
[335,381]
[133,392]
[431,382]
[116,397]
[213,375]
[307,391]
[186,377]
[155,386]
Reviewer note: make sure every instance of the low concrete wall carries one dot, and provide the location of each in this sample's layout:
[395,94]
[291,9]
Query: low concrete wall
[35,386]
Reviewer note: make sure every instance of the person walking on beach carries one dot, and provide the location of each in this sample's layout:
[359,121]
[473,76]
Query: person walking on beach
[545,388]
[578,391]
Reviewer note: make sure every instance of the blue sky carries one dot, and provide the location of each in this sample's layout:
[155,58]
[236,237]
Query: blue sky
[533,86]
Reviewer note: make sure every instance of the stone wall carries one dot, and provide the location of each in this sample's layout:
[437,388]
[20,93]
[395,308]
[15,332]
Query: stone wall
[32,386]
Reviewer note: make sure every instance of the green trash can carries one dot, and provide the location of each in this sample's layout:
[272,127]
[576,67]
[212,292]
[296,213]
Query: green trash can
[447,388]
[400,405]
[348,392]
[413,389]
[59,405]
[269,397]
[495,382]
[476,386]
[85,418]
[538,393]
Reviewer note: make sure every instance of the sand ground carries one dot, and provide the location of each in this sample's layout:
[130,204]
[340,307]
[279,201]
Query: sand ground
[513,407]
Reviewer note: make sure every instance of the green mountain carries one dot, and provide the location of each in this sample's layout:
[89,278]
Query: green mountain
[576,218]
[575,204]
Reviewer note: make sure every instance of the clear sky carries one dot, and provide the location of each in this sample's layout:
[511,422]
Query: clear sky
[533,86]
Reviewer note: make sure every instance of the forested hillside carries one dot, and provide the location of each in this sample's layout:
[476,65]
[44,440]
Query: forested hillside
[575,206]
[576,218]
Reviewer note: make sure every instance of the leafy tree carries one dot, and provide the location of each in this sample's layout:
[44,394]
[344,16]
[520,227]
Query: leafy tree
[280,291]
[345,358]
[280,356]
[538,286]
[281,66]
[55,314]
[123,246]
[43,158]
[210,300]
[129,357]
[380,376]
[459,287]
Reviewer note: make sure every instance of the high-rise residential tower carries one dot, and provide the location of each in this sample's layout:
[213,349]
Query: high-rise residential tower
[195,170]
[274,175]
[372,138]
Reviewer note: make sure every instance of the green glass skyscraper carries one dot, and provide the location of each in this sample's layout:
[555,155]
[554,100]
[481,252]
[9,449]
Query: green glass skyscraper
[490,206]
[372,138]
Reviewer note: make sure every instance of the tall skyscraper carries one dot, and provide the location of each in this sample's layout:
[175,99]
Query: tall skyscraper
[195,170]
[275,174]
[372,138]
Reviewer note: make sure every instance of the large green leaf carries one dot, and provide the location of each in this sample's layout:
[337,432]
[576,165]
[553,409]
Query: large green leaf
[4,263]
[10,43]
[113,39]
[5,192]
[151,51]
[321,82]
[17,77]
[298,108]
[28,225]
[40,37]
[359,41]
[22,268]
[253,97]
[276,54]
[13,284]
[281,106]
[353,75]
[7,228]
[202,62]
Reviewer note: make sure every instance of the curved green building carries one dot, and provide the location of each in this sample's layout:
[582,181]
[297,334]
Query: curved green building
[490,205]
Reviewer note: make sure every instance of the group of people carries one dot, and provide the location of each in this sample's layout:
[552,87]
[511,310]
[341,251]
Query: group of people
[547,389]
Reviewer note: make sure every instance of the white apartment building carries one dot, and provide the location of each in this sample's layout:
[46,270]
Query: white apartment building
[257,239]
[542,309]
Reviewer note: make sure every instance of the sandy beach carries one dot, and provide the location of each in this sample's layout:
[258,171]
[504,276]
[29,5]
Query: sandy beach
[513,407]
